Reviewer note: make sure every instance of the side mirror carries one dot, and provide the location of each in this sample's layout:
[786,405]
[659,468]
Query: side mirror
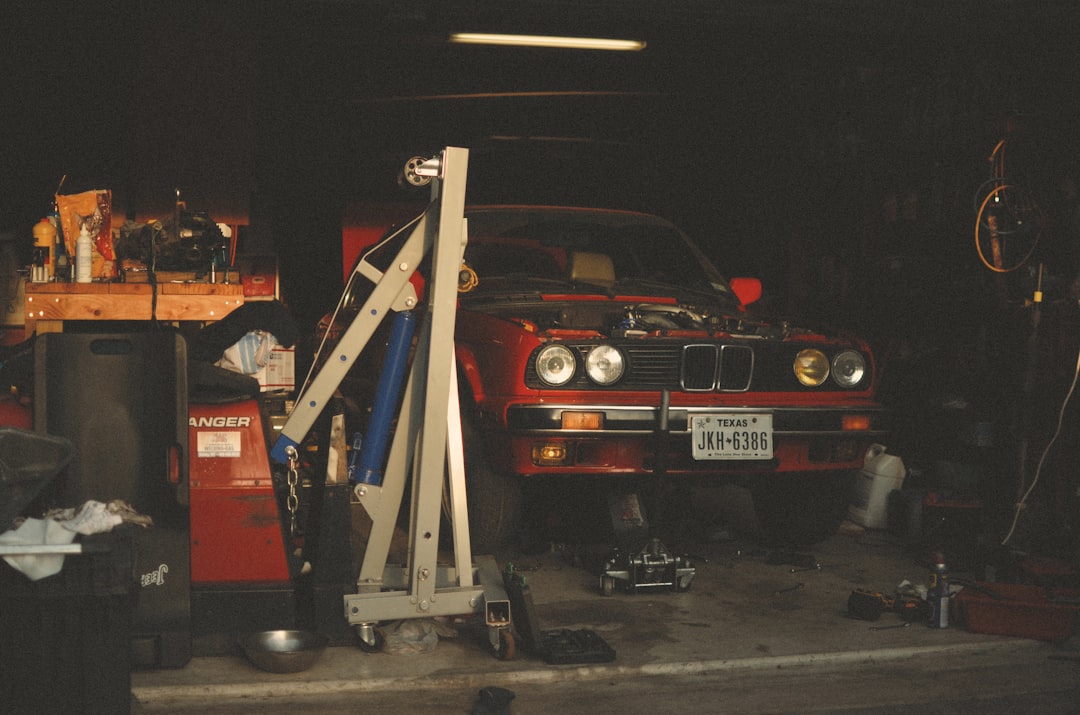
[747,289]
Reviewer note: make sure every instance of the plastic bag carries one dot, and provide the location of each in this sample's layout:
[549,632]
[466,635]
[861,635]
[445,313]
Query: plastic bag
[415,636]
[73,206]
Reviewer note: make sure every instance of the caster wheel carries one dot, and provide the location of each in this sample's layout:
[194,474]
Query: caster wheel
[370,639]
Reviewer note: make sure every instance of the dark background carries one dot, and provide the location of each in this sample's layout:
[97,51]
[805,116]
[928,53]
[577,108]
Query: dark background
[820,133]
[834,148]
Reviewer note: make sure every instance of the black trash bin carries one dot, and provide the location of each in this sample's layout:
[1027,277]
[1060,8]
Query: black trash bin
[121,398]
[65,640]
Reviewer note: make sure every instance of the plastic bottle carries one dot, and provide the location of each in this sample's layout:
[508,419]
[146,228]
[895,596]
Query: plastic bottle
[84,256]
[938,593]
[882,473]
[45,239]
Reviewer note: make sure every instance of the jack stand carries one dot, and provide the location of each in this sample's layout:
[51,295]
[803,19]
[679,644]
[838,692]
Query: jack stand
[637,566]
[426,444]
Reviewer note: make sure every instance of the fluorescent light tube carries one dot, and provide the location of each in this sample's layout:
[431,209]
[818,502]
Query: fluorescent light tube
[574,43]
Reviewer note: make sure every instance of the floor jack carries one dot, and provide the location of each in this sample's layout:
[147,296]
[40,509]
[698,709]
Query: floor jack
[640,562]
[426,444]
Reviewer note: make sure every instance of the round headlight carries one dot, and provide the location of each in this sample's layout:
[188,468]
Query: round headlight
[848,368]
[555,365]
[811,367]
[604,365]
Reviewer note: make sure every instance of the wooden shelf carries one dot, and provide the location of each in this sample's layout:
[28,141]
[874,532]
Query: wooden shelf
[48,305]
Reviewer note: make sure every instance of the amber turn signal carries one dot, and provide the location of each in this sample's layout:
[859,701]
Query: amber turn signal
[582,420]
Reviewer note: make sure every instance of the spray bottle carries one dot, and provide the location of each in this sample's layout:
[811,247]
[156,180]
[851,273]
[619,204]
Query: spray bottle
[938,593]
[84,256]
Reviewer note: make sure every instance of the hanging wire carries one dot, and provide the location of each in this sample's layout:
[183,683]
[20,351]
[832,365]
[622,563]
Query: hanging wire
[1046,451]
[1008,211]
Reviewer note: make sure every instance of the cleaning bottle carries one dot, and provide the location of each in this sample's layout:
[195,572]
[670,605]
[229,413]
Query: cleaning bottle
[938,593]
[84,256]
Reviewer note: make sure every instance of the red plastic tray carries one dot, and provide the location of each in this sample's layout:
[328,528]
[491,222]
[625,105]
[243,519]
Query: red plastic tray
[1018,610]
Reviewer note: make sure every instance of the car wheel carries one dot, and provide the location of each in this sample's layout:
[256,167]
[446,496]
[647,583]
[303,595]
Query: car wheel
[494,498]
[801,509]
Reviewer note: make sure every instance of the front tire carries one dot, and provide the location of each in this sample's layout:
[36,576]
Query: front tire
[495,500]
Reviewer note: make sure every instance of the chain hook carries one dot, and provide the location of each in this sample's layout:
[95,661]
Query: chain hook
[292,503]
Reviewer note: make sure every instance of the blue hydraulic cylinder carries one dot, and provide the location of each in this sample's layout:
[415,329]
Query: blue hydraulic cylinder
[387,392]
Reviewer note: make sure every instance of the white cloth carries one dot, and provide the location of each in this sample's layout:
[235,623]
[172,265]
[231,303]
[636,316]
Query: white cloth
[36,532]
[93,517]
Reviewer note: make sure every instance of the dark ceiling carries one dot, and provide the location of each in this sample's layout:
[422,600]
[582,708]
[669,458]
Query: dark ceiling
[749,122]
[723,85]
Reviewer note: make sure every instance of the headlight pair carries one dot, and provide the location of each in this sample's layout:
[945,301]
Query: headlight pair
[556,365]
[813,368]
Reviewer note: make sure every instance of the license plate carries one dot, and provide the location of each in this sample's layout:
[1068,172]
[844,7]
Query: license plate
[732,436]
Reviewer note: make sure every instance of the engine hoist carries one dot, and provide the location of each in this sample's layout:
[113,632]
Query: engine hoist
[426,443]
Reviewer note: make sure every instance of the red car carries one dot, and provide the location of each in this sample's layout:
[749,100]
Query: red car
[599,343]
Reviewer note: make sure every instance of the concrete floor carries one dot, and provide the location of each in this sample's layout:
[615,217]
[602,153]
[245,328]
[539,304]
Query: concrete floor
[750,635]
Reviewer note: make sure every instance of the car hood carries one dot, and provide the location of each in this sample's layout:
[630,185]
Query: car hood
[562,314]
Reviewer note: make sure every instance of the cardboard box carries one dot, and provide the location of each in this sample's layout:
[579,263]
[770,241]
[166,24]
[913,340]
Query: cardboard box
[279,373]
[259,276]
[259,286]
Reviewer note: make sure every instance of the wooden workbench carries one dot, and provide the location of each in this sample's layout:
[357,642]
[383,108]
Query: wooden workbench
[48,305]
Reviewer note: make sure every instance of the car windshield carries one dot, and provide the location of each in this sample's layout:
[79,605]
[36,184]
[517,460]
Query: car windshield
[611,253]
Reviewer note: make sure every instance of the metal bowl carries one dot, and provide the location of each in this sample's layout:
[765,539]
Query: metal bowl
[283,651]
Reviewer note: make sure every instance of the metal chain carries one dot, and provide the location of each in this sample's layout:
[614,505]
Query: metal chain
[293,501]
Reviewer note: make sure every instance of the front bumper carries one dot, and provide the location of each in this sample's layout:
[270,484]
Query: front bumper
[634,440]
[646,419]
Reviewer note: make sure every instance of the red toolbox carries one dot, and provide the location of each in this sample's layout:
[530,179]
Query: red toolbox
[1022,610]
